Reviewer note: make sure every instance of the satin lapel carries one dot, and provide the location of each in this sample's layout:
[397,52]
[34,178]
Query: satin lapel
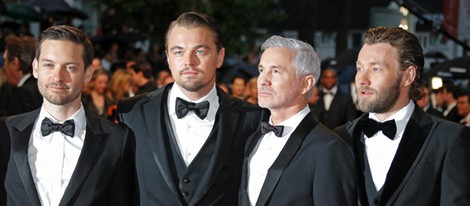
[409,151]
[284,158]
[358,146]
[95,138]
[154,129]
[228,118]
[20,140]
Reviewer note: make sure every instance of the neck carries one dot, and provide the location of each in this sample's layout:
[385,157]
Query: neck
[279,115]
[62,112]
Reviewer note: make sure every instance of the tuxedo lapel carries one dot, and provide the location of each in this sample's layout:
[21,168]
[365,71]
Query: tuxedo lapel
[409,151]
[20,140]
[228,118]
[285,156]
[95,138]
[358,145]
[153,113]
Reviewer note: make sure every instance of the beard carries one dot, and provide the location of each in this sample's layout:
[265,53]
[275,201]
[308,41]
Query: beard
[56,98]
[383,101]
[193,84]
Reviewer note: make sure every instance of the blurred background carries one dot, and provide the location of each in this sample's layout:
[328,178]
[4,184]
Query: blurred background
[130,31]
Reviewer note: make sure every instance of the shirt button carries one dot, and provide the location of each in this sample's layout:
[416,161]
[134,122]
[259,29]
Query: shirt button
[186,180]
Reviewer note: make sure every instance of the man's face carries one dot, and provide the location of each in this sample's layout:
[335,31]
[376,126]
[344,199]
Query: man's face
[278,86]
[60,71]
[193,58]
[463,107]
[378,78]
[425,99]
[238,86]
[328,79]
[11,68]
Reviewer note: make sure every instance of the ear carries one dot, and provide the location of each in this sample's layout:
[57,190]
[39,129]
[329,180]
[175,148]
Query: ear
[35,65]
[88,74]
[220,57]
[409,76]
[307,84]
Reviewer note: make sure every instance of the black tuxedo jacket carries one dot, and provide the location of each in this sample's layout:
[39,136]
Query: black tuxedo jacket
[25,98]
[103,175]
[431,165]
[341,110]
[215,183]
[315,167]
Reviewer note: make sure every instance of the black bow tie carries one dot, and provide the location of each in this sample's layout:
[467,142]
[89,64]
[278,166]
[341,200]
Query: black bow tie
[370,127]
[183,107]
[47,126]
[266,128]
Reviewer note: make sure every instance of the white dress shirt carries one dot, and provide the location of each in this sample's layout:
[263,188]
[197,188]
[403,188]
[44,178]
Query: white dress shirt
[267,151]
[53,158]
[192,132]
[381,150]
[328,96]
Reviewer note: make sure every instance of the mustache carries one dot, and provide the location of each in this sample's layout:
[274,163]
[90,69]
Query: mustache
[366,88]
[57,84]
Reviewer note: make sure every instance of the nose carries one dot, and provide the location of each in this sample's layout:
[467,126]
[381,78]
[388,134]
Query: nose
[59,74]
[362,78]
[264,80]
[191,59]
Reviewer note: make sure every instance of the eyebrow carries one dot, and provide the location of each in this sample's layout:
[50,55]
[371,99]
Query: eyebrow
[205,46]
[66,63]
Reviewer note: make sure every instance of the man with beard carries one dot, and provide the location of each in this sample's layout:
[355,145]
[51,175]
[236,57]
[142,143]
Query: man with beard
[190,135]
[404,155]
[60,154]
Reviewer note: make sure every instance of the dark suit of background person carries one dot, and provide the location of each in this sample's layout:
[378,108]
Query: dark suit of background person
[341,109]
[175,170]
[102,176]
[24,95]
[305,163]
[425,160]
[450,93]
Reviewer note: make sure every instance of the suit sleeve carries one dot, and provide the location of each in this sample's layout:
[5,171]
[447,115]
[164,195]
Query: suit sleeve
[456,172]
[4,156]
[335,181]
[123,183]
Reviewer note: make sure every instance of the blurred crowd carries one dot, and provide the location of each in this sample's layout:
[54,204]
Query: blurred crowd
[123,69]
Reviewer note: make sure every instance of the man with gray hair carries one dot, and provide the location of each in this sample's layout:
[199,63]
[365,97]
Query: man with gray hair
[294,159]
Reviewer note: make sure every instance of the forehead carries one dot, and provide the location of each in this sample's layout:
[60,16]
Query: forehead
[180,35]
[277,56]
[380,52]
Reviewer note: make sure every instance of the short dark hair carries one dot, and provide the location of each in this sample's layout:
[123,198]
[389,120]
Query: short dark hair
[197,19]
[67,33]
[409,50]
[465,93]
[23,48]
[145,67]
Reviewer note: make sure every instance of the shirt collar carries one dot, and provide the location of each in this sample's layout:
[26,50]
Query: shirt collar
[23,79]
[291,124]
[78,117]
[401,117]
[332,90]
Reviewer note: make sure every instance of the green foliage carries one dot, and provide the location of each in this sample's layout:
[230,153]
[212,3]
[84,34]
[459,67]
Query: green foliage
[238,19]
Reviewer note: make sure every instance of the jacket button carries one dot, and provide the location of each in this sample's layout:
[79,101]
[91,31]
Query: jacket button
[186,180]
[185,194]
[376,201]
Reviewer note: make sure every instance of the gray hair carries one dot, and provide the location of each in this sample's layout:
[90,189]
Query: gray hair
[306,60]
